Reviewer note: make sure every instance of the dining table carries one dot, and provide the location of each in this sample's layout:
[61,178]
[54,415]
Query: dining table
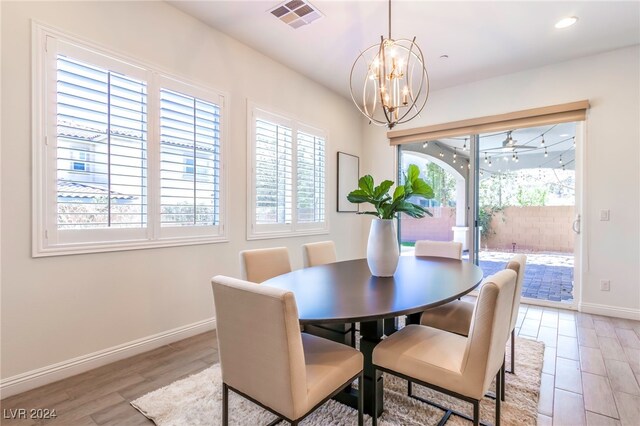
[345,292]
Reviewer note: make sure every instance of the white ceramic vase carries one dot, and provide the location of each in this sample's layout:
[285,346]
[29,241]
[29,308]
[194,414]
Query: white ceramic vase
[382,249]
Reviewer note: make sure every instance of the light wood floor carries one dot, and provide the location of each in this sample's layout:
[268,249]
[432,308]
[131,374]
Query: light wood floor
[591,375]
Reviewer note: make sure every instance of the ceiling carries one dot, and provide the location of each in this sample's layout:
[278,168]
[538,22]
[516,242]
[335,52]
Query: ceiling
[482,39]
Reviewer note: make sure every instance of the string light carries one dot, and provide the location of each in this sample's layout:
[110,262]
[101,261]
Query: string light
[465,144]
[509,138]
[574,141]
[485,157]
[489,161]
[455,154]
[545,152]
[560,160]
[513,156]
[542,142]
[441,154]
[426,144]
[517,158]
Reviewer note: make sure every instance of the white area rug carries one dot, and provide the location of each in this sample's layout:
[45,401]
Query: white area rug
[197,400]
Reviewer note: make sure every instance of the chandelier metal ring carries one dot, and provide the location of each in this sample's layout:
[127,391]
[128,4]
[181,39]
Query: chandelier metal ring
[395,87]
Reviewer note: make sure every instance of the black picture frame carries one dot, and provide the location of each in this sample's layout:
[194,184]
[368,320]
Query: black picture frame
[348,175]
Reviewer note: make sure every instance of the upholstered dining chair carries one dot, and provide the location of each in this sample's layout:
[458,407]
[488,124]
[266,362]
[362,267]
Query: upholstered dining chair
[456,316]
[261,264]
[274,365]
[463,367]
[319,253]
[449,249]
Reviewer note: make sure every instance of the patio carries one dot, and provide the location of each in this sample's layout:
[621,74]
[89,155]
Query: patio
[548,276]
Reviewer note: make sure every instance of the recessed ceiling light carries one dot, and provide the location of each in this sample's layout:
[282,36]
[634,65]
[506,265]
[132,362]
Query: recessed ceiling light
[567,22]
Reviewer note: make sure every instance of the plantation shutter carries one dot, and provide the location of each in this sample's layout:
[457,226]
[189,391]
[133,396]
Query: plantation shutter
[101,119]
[189,160]
[273,173]
[310,178]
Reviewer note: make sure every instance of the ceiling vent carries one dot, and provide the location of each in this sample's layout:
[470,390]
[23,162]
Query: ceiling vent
[296,13]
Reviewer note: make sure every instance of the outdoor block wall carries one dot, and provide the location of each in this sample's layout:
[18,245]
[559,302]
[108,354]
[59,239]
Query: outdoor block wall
[540,228]
[436,228]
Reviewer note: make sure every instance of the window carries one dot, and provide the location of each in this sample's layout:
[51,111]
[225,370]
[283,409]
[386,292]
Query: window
[124,156]
[287,187]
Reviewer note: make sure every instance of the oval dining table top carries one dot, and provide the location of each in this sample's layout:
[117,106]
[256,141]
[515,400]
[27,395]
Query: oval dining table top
[347,292]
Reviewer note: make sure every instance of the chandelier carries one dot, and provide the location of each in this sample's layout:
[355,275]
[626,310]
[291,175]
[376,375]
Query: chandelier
[393,80]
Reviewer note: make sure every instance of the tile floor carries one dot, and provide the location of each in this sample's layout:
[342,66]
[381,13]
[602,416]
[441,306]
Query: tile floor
[591,371]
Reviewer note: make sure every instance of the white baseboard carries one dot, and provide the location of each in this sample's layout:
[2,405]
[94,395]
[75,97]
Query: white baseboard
[610,311]
[52,373]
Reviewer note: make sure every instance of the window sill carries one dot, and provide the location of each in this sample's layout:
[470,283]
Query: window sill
[71,249]
[286,234]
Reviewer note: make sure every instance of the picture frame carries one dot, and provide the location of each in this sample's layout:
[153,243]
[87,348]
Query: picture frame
[348,175]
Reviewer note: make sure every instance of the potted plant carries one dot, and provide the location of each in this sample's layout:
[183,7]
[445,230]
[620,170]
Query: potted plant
[382,248]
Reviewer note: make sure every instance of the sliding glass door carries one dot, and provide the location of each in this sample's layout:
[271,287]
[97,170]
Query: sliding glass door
[501,193]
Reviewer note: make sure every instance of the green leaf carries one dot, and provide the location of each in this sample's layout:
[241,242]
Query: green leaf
[366,184]
[413,172]
[382,189]
[358,196]
[420,187]
[398,193]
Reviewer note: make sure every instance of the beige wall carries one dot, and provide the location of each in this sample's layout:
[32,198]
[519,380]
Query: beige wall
[612,153]
[58,308]
[535,228]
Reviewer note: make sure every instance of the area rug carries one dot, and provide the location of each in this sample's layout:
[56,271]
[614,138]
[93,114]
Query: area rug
[197,400]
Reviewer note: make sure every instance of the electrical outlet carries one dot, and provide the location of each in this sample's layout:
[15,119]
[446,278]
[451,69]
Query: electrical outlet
[605,285]
[604,215]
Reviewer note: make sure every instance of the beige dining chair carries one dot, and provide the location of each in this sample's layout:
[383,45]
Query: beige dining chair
[319,253]
[272,363]
[462,367]
[262,264]
[449,249]
[322,253]
[456,316]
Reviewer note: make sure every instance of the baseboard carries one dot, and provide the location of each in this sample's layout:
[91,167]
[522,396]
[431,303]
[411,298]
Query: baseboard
[52,373]
[610,311]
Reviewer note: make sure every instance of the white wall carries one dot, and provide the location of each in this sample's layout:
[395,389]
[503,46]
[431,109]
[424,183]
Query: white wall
[58,308]
[611,83]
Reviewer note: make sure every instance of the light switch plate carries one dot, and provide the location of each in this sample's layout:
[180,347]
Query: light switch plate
[605,285]
[604,215]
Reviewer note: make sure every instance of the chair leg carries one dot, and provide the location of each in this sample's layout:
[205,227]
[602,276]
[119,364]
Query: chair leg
[353,334]
[513,351]
[476,413]
[499,390]
[225,404]
[502,376]
[374,411]
[361,399]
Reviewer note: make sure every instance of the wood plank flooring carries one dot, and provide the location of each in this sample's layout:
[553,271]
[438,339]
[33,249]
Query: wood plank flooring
[590,376]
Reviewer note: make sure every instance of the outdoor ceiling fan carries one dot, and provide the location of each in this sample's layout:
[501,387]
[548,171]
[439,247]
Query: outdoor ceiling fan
[510,144]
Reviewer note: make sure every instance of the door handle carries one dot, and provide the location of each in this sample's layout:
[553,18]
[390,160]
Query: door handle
[576,225]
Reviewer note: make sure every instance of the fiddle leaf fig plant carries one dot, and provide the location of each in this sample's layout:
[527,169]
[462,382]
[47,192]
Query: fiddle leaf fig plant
[387,206]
